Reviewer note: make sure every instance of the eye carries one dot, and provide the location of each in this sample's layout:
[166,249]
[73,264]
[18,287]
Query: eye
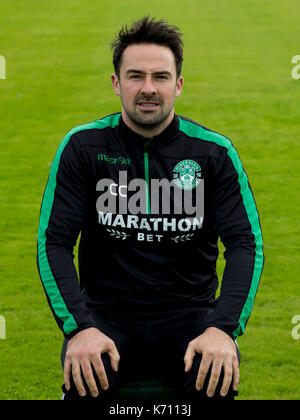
[162,77]
[135,76]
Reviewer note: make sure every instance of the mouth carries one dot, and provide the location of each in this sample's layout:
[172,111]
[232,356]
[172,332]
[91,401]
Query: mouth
[148,105]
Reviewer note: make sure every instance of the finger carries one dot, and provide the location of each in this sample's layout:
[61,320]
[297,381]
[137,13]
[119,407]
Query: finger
[114,357]
[100,372]
[236,375]
[76,373]
[89,378]
[189,357]
[67,372]
[214,378]
[202,372]
[227,379]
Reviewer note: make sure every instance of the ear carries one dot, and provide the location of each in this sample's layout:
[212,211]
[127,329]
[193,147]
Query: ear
[115,83]
[179,86]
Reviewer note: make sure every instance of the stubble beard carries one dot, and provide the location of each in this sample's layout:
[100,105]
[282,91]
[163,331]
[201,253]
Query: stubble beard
[147,122]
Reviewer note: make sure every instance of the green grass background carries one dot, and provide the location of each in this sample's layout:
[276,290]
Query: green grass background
[237,70]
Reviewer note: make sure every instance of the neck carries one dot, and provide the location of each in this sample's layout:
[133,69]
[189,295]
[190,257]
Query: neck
[144,131]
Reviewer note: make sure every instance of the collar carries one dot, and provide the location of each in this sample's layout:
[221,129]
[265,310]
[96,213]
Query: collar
[136,140]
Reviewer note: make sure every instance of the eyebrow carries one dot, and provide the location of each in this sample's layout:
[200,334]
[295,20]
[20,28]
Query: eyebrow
[143,72]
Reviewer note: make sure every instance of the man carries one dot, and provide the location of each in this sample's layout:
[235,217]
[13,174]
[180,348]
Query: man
[147,255]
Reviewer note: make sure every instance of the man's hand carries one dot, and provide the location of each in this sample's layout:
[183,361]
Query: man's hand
[84,351]
[219,350]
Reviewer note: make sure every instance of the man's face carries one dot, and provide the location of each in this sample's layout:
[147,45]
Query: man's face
[148,86]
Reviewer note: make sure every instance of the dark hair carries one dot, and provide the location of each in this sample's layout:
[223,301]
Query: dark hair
[148,31]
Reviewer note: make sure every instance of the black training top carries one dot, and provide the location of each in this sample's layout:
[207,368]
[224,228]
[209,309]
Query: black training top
[142,249]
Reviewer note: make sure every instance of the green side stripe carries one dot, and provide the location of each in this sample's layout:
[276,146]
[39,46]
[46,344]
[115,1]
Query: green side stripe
[194,130]
[147,182]
[57,301]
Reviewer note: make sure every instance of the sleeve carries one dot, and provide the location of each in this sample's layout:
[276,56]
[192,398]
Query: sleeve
[62,216]
[237,223]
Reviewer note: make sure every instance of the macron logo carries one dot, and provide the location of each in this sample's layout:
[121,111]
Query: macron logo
[113,160]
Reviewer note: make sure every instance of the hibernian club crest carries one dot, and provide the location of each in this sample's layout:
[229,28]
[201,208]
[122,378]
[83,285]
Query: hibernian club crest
[187,174]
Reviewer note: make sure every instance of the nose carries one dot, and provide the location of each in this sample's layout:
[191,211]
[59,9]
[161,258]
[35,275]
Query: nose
[148,87]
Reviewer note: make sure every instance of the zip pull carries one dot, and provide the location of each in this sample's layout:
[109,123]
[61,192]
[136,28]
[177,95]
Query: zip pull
[146,145]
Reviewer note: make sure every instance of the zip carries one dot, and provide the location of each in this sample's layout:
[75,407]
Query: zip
[147,182]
